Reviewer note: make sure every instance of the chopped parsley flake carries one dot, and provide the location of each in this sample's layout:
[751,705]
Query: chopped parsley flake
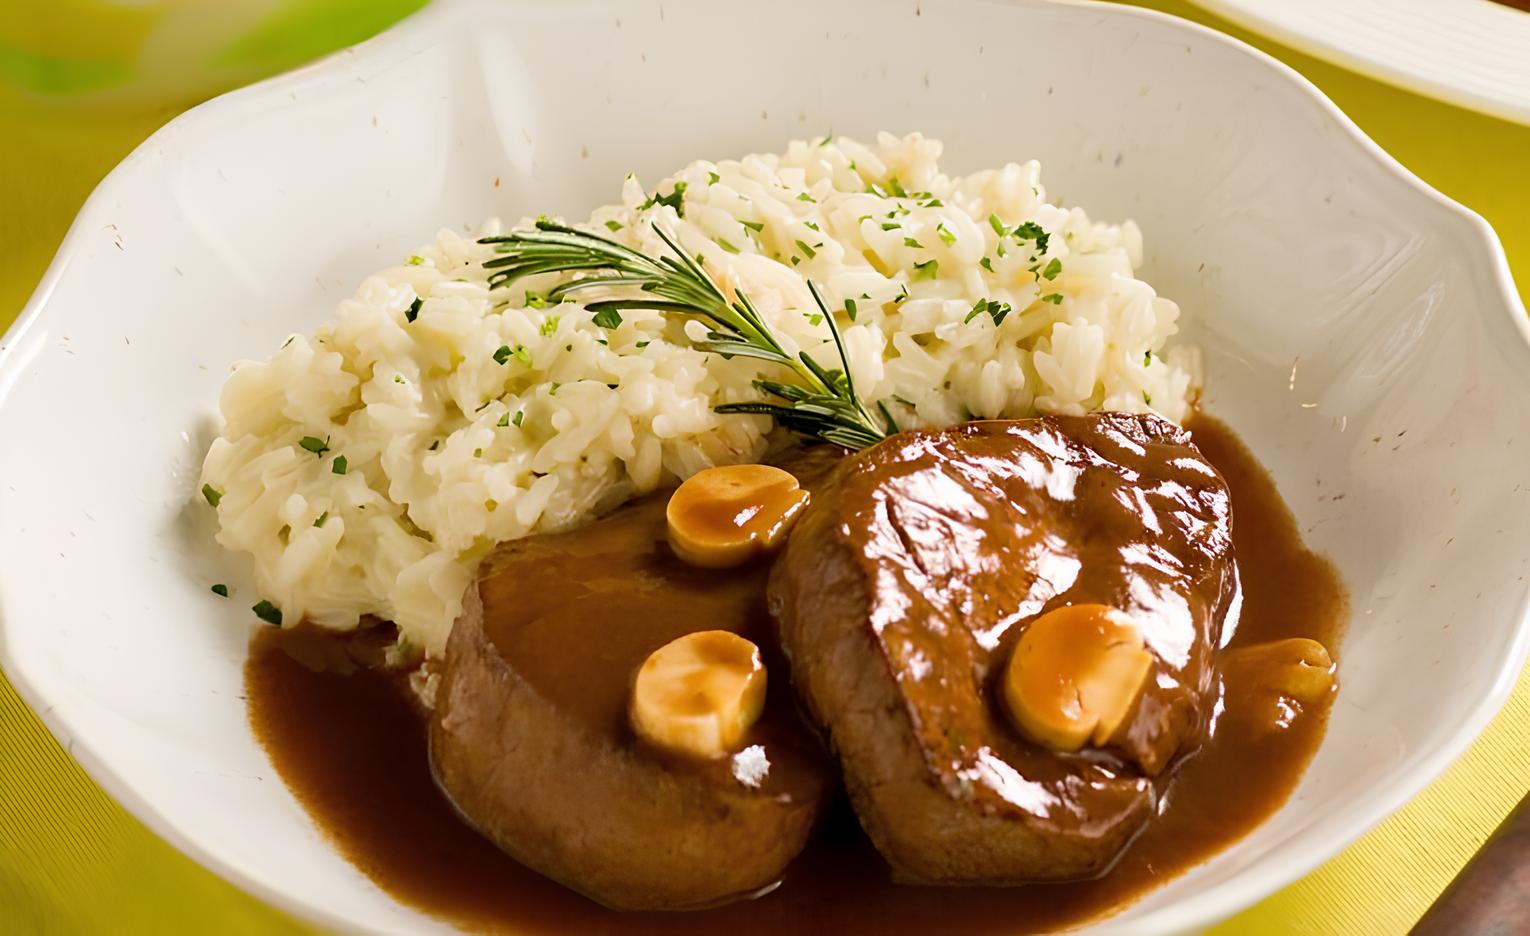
[413,312]
[754,226]
[478,453]
[1054,298]
[535,300]
[221,590]
[896,187]
[850,308]
[314,445]
[910,242]
[504,419]
[713,178]
[993,309]
[725,245]
[673,200]
[986,264]
[212,494]
[810,225]
[642,344]
[1147,358]
[502,355]
[926,270]
[607,318]
[1053,268]
[415,260]
[804,196]
[796,259]
[516,419]
[341,466]
[549,326]
[613,225]
[815,319]
[521,354]
[1147,398]
[934,203]
[997,225]
[268,612]
[435,445]
[1032,231]
[890,225]
[321,518]
[398,378]
[946,237]
[811,253]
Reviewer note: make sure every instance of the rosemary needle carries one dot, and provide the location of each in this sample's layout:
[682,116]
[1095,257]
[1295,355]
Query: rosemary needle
[822,402]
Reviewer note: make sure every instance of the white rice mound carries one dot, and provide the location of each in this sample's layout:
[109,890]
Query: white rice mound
[447,450]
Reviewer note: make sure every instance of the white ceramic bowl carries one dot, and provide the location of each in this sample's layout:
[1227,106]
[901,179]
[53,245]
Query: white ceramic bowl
[1361,330]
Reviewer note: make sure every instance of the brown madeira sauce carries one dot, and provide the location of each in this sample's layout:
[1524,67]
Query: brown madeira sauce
[351,745]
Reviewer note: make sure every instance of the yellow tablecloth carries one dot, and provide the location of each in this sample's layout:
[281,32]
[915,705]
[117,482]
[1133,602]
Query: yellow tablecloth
[83,81]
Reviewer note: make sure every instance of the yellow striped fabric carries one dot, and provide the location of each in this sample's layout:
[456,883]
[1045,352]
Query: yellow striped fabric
[73,862]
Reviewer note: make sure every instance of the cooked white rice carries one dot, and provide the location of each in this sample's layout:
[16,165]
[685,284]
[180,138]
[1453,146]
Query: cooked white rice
[448,451]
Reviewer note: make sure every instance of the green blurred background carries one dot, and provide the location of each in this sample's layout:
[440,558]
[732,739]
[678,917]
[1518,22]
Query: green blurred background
[84,81]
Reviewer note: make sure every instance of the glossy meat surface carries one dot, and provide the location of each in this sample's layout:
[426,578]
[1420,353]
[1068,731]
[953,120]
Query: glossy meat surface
[531,738]
[916,569]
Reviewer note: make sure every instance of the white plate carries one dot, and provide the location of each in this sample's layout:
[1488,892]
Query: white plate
[1473,53]
[1361,330]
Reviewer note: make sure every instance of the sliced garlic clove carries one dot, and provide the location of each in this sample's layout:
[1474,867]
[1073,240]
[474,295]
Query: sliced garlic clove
[1075,675]
[699,694]
[1269,684]
[723,517]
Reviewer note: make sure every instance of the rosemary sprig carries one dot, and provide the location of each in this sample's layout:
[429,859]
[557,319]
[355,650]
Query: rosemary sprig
[821,402]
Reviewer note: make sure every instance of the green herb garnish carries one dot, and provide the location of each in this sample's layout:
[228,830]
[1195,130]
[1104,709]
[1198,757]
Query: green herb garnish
[607,317]
[674,199]
[850,309]
[993,309]
[415,260]
[910,242]
[212,494]
[221,590]
[802,246]
[502,355]
[1053,268]
[413,312]
[713,178]
[516,419]
[340,466]
[1054,298]
[723,243]
[820,402]
[613,225]
[926,270]
[268,612]
[997,225]
[321,518]
[755,226]
[946,237]
[314,445]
